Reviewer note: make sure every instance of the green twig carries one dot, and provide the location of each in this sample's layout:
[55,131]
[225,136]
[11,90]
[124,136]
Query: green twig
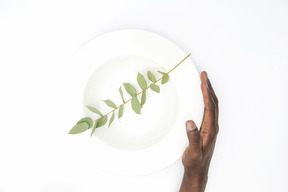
[144,89]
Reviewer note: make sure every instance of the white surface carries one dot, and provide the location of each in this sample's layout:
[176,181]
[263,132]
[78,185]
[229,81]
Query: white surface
[242,44]
[153,140]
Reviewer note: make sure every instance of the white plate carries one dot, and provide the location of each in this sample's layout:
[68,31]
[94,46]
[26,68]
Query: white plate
[139,144]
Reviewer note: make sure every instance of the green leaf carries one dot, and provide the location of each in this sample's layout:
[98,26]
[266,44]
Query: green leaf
[94,128]
[111,119]
[110,103]
[161,72]
[121,93]
[130,89]
[143,98]
[136,106]
[99,123]
[94,110]
[155,88]
[79,128]
[87,120]
[165,77]
[141,81]
[120,112]
[151,77]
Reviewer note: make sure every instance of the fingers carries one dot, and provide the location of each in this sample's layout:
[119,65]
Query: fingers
[209,104]
[209,127]
[215,99]
[194,138]
[204,77]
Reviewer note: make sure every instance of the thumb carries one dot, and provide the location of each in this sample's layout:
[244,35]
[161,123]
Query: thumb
[194,138]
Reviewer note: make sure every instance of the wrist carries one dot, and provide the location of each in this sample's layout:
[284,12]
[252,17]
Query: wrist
[198,174]
[193,181]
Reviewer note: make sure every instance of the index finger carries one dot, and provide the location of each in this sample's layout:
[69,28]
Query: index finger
[215,99]
[209,127]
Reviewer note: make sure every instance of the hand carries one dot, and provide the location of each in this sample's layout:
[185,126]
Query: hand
[198,154]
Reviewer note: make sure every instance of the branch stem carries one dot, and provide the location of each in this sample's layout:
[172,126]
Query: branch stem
[146,88]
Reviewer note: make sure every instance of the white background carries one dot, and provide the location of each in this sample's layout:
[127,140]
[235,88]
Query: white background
[243,44]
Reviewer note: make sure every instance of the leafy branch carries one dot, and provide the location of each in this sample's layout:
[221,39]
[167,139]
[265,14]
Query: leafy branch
[87,123]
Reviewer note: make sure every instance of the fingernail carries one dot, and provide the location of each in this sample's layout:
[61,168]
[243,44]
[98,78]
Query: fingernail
[206,75]
[191,126]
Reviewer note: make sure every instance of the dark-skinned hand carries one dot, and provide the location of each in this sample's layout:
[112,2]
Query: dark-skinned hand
[197,156]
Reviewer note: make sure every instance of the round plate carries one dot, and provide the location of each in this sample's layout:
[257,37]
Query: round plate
[139,143]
